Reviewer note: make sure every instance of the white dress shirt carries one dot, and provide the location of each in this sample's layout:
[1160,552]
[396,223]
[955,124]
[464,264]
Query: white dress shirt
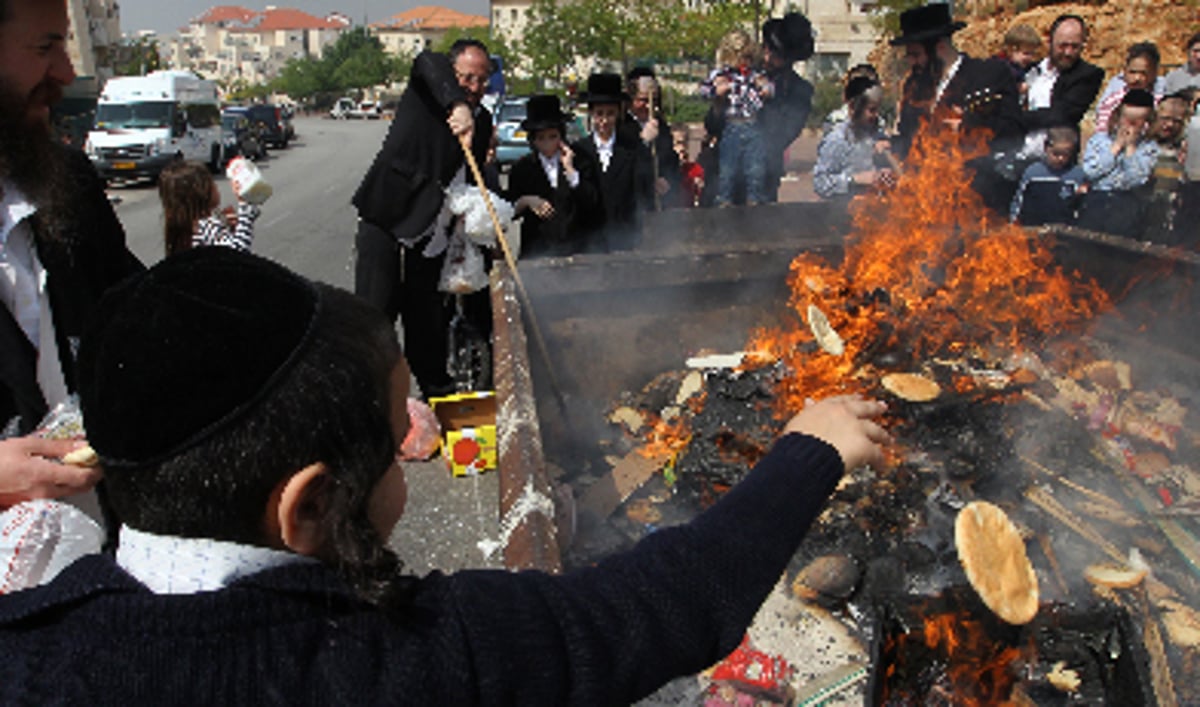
[168,564]
[23,289]
[1039,82]
[550,165]
[604,149]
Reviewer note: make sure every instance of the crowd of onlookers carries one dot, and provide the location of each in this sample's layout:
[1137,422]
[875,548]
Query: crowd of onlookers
[1131,177]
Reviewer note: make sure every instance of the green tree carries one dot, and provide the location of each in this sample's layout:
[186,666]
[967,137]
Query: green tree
[552,37]
[138,57]
[368,65]
[304,78]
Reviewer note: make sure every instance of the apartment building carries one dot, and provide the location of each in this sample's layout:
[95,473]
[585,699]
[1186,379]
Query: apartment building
[417,29]
[94,38]
[234,43]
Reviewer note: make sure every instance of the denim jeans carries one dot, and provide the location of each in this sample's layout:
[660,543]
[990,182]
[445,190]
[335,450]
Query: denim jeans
[741,154]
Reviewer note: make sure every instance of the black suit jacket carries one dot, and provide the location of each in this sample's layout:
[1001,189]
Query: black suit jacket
[987,94]
[1072,95]
[664,146]
[403,189]
[89,258]
[626,189]
[562,233]
[783,117]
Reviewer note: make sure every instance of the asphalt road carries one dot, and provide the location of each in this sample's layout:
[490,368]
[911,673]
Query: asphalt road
[308,224]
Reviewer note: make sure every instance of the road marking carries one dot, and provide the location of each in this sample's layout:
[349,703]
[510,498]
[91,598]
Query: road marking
[277,219]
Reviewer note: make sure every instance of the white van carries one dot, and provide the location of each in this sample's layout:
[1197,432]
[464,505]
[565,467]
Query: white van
[144,122]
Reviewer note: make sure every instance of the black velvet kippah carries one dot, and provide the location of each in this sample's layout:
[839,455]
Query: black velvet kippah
[858,86]
[179,352]
[1138,97]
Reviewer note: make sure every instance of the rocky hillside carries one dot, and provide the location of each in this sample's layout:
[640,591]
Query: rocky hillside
[1113,26]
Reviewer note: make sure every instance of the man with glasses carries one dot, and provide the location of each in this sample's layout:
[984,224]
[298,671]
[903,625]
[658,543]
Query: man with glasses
[399,251]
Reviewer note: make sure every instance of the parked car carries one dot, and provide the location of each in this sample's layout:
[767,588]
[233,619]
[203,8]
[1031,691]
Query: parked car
[511,141]
[241,138]
[341,109]
[270,118]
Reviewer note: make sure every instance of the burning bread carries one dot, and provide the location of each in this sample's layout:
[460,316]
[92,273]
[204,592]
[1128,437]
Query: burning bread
[912,387]
[992,554]
[1114,576]
[827,337]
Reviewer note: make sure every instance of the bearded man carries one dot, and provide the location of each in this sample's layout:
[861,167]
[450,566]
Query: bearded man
[61,247]
[1062,86]
[958,91]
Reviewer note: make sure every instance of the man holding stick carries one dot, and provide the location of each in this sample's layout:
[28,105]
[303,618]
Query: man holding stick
[399,252]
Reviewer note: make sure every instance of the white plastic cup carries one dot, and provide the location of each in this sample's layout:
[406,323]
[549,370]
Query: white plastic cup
[247,180]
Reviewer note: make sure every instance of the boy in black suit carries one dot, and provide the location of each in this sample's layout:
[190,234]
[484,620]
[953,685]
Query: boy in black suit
[624,168]
[549,190]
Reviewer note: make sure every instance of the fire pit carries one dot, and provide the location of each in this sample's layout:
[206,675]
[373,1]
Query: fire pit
[1064,402]
[950,650]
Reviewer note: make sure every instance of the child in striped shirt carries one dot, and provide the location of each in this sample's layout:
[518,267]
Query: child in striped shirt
[191,217]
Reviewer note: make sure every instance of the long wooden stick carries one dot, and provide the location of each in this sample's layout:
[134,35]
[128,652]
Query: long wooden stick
[465,140]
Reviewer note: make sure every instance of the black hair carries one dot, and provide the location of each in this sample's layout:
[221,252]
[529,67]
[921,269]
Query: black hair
[332,407]
[1192,41]
[5,11]
[1068,17]
[461,45]
[1149,50]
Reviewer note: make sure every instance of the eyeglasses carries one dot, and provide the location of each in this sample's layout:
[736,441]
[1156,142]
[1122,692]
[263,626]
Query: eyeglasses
[471,79]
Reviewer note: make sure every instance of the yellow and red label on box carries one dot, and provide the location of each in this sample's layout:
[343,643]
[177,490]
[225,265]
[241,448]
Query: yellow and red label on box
[468,423]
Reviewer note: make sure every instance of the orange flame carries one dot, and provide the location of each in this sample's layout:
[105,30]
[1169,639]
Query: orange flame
[978,672]
[929,268]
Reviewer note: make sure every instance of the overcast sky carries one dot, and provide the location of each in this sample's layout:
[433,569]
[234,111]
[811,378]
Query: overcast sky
[166,17]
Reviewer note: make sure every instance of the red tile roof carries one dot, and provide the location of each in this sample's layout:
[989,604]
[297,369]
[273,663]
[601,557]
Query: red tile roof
[431,17]
[288,18]
[276,18]
[224,14]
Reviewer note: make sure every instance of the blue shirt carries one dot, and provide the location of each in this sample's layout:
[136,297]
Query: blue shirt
[842,154]
[1120,172]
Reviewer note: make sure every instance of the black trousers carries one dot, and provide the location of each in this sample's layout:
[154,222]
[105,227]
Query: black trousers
[402,282]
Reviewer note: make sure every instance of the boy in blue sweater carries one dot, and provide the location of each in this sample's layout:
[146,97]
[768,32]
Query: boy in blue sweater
[1050,189]
[248,421]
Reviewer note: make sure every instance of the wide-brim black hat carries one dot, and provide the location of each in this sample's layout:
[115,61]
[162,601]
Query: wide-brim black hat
[790,36]
[926,22]
[543,112]
[604,88]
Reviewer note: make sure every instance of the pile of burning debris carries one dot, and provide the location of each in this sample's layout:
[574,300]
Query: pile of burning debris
[995,393]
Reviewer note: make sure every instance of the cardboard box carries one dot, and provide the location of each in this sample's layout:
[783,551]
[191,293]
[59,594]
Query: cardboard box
[468,423]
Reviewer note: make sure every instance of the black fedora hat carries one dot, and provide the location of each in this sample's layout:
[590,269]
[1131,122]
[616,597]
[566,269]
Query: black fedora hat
[790,36]
[543,112]
[926,22]
[604,88]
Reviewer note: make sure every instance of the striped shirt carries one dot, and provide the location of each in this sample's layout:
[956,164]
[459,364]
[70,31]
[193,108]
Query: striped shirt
[214,230]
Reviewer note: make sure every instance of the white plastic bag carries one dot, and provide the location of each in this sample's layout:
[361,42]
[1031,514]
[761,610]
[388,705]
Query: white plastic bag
[463,270]
[467,201]
[38,539]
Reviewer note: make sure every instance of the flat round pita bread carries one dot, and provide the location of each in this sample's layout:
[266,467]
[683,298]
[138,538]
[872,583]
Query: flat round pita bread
[912,387]
[992,554]
[1114,576]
